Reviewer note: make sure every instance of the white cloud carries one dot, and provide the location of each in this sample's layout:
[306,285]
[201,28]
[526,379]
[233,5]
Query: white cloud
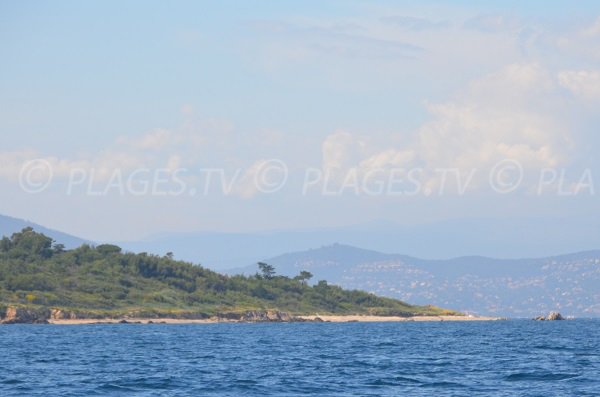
[582,45]
[341,150]
[158,139]
[11,163]
[103,164]
[504,115]
[246,185]
[197,145]
[389,158]
[583,83]
[513,81]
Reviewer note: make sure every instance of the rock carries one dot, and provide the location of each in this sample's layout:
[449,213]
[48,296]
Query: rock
[266,316]
[229,316]
[273,316]
[278,316]
[57,314]
[19,315]
[554,316]
[255,316]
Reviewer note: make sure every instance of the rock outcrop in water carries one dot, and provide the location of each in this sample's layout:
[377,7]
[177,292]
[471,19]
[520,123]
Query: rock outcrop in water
[552,316]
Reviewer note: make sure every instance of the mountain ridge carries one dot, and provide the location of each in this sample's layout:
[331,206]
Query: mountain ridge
[512,239]
[428,241]
[473,284]
[10,225]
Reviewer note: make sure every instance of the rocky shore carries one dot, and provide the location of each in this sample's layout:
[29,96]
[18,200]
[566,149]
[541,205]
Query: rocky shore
[20,315]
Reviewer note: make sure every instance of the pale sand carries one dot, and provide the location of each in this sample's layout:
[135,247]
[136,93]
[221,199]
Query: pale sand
[333,319]
[372,319]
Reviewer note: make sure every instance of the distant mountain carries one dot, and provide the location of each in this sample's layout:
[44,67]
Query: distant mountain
[222,251]
[506,287]
[503,238]
[9,225]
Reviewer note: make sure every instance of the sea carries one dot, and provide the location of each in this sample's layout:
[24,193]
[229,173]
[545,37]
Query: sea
[496,358]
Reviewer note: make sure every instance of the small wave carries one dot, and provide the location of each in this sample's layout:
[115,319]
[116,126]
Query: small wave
[395,381]
[142,383]
[113,387]
[246,382]
[523,376]
[11,381]
[407,379]
[554,348]
[386,344]
[586,354]
[443,384]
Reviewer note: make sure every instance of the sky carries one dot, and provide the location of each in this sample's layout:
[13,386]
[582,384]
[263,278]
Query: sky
[119,120]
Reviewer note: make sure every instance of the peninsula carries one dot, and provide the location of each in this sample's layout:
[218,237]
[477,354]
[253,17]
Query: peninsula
[42,282]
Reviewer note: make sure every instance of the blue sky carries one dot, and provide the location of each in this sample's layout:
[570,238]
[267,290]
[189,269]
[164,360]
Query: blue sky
[342,85]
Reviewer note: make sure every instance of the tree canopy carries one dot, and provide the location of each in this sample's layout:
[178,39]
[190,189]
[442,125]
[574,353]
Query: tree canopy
[36,271]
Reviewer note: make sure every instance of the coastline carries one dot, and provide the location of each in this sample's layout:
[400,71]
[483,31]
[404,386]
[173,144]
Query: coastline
[314,318]
[379,319]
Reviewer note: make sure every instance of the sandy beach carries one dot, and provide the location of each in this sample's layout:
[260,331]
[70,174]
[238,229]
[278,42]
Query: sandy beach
[372,319]
[324,318]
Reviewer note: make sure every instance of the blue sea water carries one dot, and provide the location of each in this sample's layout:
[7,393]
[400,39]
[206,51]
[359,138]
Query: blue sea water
[508,358]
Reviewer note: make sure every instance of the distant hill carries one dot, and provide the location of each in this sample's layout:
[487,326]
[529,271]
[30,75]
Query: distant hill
[505,287]
[105,281]
[501,238]
[9,225]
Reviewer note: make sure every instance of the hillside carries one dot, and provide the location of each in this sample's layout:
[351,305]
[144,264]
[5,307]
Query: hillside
[480,285]
[103,280]
[9,225]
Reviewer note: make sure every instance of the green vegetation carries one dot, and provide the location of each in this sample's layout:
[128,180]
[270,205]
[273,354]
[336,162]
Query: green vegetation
[34,272]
